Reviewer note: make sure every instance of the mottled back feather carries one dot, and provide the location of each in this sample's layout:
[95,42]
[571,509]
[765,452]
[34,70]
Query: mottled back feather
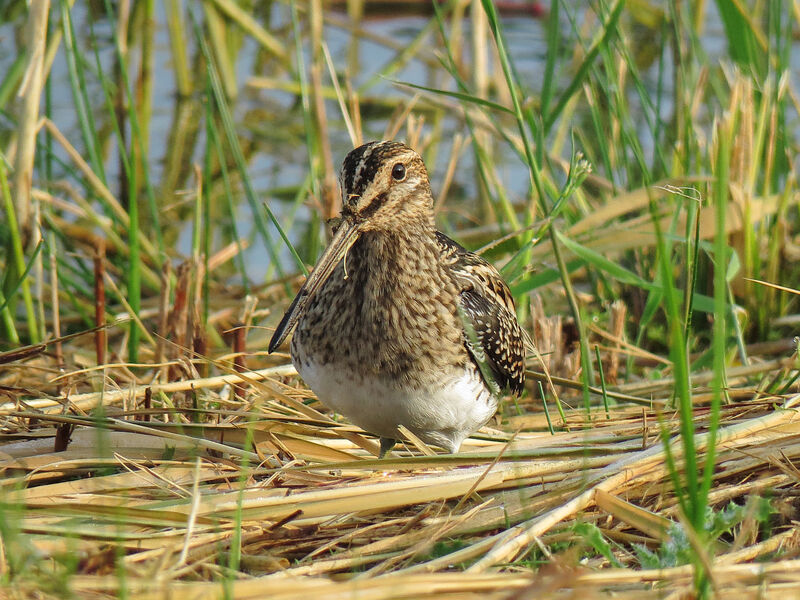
[486,301]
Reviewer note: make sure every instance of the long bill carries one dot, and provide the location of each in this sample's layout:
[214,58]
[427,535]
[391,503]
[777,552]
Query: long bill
[344,238]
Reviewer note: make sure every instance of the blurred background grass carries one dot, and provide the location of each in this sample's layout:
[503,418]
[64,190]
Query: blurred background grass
[267,99]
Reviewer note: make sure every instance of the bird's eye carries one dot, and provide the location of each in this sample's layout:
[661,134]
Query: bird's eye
[399,172]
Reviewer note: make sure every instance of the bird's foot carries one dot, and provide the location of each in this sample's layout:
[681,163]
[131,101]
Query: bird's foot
[386,446]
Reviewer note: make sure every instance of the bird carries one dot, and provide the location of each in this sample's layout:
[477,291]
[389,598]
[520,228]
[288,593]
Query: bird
[397,324]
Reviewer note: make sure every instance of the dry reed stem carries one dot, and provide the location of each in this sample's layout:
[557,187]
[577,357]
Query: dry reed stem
[314,506]
[30,93]
[95,183]
[89,400]
[253,27]
[510,543]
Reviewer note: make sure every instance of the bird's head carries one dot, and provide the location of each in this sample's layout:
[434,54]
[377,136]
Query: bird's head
[385,186]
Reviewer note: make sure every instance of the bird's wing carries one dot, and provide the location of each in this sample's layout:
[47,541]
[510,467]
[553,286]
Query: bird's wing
[496,340]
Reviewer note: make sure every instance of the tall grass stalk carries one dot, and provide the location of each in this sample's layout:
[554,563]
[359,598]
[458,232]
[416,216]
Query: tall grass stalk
[139,135]
[608,29]
[723,133]
[227,193]
[11,80]
[142,109]
[217,43]
[244,19]
[115,210]
[177,45]
[15,255]
[80,94]
[134,291]
[233,145]
[689,496]
[534,170]
[9,328]
[305,101]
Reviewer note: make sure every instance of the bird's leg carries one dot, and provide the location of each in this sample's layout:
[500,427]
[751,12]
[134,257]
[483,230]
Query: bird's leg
[386,446]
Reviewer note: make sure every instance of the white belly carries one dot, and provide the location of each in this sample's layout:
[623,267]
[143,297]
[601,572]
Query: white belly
[442,414]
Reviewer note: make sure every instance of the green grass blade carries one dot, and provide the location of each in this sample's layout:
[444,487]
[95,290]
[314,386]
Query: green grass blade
[534,168]
[609,29]
[682,390]
[138,137]
[227,194]
[721,313]
[553,52]
[463,97]
[80,92]
[236,150]
[17,254]
[17,284]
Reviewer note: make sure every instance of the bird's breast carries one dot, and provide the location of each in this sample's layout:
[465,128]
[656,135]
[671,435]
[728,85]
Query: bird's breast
[384,311]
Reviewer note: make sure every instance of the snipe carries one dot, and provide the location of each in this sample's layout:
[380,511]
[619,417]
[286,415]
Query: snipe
[398,324]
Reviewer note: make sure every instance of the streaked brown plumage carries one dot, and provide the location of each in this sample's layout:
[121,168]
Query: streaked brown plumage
[398,324]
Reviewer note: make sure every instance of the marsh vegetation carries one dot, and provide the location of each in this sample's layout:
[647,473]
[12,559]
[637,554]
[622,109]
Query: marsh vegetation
[166,174]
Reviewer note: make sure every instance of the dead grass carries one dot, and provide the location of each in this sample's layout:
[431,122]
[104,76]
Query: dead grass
[173,491]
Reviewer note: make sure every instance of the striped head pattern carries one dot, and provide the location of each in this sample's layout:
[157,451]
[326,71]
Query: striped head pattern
[384,184]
